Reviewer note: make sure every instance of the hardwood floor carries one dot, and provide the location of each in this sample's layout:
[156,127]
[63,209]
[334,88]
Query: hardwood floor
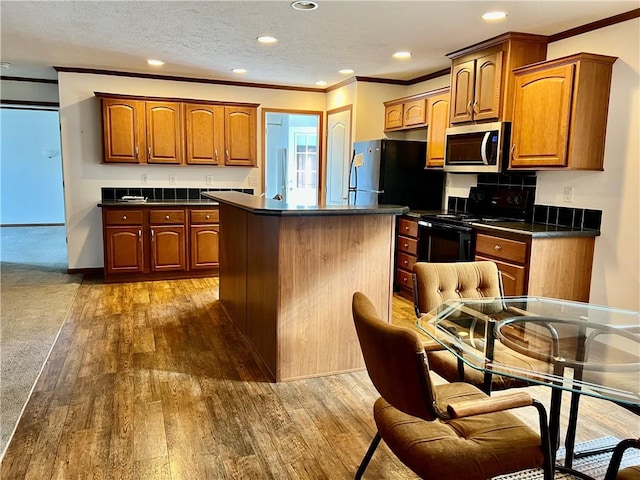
[151,381]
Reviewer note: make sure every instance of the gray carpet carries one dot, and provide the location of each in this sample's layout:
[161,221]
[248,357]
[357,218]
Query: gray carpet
[594,465]
[35,296]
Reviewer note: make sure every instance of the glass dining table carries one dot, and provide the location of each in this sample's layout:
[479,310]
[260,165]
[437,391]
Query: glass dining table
[583,348]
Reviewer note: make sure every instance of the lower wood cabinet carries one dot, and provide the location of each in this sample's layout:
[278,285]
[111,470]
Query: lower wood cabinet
[157,243]
[555,267]
[406,255]
[205,239]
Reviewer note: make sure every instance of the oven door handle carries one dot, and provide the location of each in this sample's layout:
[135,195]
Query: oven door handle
[441,226]
[483,149]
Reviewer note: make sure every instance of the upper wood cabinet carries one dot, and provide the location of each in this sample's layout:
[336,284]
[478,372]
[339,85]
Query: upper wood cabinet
[169,131]
[438,115]
[240,136]
[164,132]
[560,113]
[124,135]
[405,113]
[205,134]
[481,78]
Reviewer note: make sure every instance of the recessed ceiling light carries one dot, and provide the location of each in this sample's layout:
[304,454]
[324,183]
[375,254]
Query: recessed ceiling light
[302,5]
[402,55]
[321,83]
[346,71]
[239,70]
[494,15]
[155,63]
[267,39]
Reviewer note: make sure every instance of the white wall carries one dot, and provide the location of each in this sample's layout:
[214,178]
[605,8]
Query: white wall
[28,91]
[31,167]
[84,175]
[615,279]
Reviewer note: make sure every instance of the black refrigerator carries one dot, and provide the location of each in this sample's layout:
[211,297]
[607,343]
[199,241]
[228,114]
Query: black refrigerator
[391,172]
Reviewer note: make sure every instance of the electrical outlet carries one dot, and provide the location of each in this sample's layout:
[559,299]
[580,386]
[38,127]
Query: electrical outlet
[143,179]
[209,180]
[253,182]
[567,194]
[172,179]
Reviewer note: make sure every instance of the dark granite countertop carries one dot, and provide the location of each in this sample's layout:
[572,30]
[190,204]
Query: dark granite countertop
[202,202]
[266,206]
[536,230]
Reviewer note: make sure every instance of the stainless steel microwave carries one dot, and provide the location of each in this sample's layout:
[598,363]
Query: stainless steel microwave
[481,148]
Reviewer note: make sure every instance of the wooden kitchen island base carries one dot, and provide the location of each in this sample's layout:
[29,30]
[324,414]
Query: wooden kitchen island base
[287,276]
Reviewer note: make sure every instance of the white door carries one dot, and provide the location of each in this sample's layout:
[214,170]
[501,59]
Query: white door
[338,155]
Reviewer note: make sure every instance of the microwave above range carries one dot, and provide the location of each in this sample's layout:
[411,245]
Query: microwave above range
[481,148]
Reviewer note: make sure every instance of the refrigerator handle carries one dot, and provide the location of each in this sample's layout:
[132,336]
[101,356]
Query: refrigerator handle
[353,174]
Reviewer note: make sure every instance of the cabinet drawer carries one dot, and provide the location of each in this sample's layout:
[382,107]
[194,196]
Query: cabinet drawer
[406,261]
[408,227]
[157,217]
[408,245]
[205,216]
[123,217]
[502,248]
[404,279]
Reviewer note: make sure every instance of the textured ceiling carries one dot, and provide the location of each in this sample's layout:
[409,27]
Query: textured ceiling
[208,39]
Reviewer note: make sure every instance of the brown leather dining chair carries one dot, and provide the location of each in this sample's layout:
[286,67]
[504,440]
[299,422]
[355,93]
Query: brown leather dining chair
[452,430]
[435,283]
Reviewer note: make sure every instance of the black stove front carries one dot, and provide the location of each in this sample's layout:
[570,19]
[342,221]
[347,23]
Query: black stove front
[449,237]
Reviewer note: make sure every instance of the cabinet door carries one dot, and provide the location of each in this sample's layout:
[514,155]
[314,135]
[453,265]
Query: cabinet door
[541,116]
[164,132]
[123,129]
[486,103]
[462,85]
[204,247]
[393,116]
[415,113]
[124,249]
[438,124]
[514,277]
[240,136]
[168,248]
[205,134]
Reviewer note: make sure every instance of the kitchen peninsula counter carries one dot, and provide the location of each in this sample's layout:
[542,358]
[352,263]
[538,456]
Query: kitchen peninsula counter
[288,273]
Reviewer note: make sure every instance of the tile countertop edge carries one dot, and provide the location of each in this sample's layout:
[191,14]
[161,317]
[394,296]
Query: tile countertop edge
[535,230]
[266,206]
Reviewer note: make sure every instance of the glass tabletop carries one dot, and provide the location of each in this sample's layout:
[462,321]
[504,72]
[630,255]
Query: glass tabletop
[590,349]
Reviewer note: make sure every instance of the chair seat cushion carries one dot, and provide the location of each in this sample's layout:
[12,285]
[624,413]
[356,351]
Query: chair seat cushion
[472,448]
[629,473]
[445,364]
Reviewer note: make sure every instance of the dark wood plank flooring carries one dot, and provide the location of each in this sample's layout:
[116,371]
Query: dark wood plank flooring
[151,381]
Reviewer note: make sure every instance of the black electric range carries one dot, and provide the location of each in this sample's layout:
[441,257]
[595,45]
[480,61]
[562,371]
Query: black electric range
[448,237]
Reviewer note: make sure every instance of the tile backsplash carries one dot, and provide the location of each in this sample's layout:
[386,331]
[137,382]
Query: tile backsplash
[156,194]
[579,218]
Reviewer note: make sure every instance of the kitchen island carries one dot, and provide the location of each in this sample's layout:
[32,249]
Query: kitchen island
[287,275]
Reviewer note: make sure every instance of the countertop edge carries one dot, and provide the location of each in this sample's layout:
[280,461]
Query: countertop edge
[550,232]
[159,203]
[265,206]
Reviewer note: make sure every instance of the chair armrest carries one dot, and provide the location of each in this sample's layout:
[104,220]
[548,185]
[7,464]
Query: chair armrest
[469,408]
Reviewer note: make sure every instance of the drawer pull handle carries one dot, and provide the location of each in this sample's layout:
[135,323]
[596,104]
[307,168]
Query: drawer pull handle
[406,227]
[498,247]
[124,217]
[166,217]
[406,245]
[207,217]
[406,262]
